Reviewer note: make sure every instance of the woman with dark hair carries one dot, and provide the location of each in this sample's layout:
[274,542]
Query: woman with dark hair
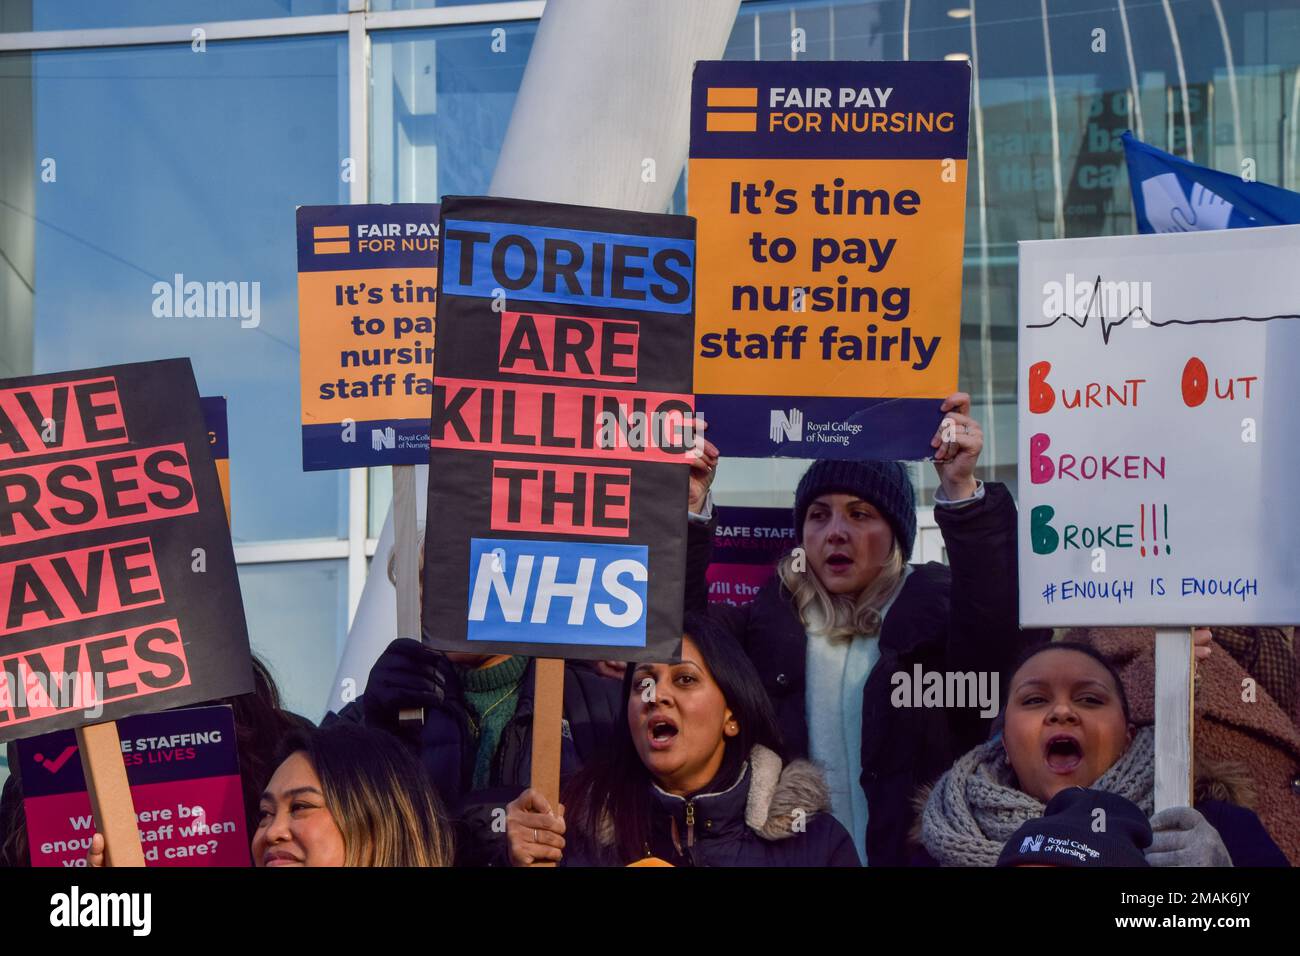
[694,777]
[261,726]
[1066,724]
[846,622]
[347,796]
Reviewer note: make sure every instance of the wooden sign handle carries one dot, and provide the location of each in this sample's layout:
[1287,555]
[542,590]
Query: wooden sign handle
[110,793]
[1175,671]
[406,566]
[548,714]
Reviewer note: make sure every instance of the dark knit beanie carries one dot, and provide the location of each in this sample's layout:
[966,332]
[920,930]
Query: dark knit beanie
[882,483]
[1072,833]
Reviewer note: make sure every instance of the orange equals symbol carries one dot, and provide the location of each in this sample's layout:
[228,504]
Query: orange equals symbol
[329,233]
[734,99]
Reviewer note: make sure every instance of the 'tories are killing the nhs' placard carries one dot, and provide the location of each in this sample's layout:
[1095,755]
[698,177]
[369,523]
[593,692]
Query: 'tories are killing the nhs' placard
[560,431]
[367,283]
[118,590]
[831,201]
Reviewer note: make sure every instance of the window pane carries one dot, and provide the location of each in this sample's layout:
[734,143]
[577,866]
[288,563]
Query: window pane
[297,623]
[18,179]
[427,4]
[172,167]
[92,14]
[381,496]
[439,107]
[440,104]
[1045,157]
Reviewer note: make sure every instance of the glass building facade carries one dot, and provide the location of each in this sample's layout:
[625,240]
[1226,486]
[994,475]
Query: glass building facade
[140,141]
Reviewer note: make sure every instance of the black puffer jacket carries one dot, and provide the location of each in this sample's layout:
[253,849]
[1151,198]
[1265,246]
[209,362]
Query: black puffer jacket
[963,617]
[592,706]
[773,815]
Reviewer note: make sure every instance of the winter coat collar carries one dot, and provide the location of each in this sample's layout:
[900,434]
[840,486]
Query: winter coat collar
[772,799]
[919,612]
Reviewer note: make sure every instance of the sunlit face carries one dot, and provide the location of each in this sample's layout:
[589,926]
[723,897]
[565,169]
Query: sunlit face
[847,541]
[294,826]
[1065,724]
[679,721]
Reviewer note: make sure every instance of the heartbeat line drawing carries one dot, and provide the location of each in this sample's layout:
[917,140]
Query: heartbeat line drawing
[1108,326]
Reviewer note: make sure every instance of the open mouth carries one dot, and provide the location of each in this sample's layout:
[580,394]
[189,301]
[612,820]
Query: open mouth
[662,732]
[1064,754]
[839,562]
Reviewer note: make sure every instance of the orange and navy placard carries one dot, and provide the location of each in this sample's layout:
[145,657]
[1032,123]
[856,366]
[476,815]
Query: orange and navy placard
[118,589]
[830,200]
[367,287]
[214,414]
[560,431]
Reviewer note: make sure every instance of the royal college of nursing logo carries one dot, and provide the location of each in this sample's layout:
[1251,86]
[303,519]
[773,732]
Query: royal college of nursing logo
[786,426]
[1031,844]
[1170,209]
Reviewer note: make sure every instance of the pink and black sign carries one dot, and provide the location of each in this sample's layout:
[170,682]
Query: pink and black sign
[183,768]
[747,543]
[118,587]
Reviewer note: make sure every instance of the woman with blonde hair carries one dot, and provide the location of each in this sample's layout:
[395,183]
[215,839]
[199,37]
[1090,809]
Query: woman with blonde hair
[347,796]
[343,795]
[848,637]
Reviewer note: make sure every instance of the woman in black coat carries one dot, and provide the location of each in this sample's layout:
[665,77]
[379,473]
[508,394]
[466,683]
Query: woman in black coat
[845,630]
[694,777]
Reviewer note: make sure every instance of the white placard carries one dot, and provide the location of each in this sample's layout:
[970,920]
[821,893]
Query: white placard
[1158,402]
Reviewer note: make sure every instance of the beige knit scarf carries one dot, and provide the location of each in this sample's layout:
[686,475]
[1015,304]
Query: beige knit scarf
[975,807]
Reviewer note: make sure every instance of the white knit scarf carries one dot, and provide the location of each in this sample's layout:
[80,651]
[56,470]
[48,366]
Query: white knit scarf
[975,807]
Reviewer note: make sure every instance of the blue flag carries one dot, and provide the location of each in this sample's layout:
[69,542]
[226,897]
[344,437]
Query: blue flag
[1173,195]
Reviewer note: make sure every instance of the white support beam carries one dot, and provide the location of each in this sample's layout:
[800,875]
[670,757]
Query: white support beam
[458,15]
[279,552]
[172,33]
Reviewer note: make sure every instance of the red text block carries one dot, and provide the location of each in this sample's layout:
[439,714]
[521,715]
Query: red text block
[566,346]
[60,416]
[58,588]
[622,424]
[84,674]
[87,494]
[561,499]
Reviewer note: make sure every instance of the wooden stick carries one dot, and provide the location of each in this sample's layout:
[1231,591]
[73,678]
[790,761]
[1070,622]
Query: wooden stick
[110,794]
[406,549]
[1174,717]
[548,714]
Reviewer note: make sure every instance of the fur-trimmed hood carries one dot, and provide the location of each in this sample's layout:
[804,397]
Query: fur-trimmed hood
[777,794]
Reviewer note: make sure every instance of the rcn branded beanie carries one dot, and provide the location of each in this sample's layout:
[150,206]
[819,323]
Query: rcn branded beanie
[1079,827]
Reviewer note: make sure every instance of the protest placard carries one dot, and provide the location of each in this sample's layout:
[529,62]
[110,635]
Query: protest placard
[747,542]
[560,431]
[118,589]
[831,201]
[367,281]
[183,768]
[214,414]
[1157,387]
